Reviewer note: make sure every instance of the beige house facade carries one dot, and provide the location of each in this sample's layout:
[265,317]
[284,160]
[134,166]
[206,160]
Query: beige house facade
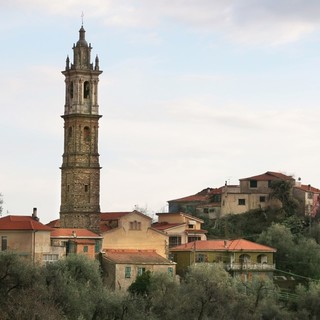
[132,230]
[180,227]
[123,266]
[29,238]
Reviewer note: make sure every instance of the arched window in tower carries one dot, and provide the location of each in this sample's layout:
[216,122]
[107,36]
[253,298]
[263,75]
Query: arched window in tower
[70,132]
[86,89]
[86,134]
[71,89]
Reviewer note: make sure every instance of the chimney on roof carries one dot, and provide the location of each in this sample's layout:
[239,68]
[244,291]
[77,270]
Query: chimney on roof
[225,243]
[34,214]
[298,183]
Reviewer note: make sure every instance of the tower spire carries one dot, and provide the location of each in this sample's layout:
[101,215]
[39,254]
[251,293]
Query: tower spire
[82,15]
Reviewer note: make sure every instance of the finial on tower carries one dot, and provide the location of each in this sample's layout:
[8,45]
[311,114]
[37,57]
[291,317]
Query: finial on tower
[82,15]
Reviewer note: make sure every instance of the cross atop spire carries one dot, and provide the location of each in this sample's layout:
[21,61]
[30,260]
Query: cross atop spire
[82,15]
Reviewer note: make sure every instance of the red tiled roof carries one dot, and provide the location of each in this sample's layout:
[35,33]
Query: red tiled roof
[307,188]
[69,233]
[195,231]
[269,175]
[203,195]
[112,215]
[135,257]
[165,225]
[194,198]
[22,223]
[84,241]
[54,223]
[181,214]
[223,245]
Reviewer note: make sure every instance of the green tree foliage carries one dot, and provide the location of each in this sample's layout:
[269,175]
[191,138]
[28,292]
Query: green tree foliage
[306,303]
[207,292]
[141,285]
[76,284]
[295,253]
[282,190]
[23,293]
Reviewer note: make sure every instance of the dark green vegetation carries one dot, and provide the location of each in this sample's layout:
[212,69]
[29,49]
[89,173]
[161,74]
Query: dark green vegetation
[73,289]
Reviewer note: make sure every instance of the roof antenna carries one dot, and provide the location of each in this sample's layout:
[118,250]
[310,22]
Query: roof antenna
[82,15]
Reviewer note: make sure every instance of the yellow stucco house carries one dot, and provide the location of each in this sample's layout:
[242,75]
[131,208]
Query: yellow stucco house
[239,257]
[131,230]
[131,246]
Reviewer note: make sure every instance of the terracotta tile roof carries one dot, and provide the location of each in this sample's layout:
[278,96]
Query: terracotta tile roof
[203,195]
[117,215]
[223,245]
[84,241]
[112,215]
[269,175]
[195,231]
[307,188]
[181,214]
[54,223]
[165,225]
[69,233]
[135,257]
[22,223]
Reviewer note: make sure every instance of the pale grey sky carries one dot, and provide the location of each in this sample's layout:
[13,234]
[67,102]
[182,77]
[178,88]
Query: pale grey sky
[194,93]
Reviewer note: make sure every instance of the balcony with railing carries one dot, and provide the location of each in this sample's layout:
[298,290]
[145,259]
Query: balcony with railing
[250,266]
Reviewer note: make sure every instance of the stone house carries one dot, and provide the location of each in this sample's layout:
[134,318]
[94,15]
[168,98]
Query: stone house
[251,193]
[123,266]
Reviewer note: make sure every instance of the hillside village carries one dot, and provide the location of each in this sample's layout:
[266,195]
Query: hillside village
[129,243]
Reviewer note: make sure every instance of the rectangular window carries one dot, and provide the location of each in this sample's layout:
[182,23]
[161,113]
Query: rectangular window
[141,270]
[85,248]
[262,199]
[170,271]
[174,241]
[135,225]
[4,243]
[201,257]
[190,226]
[194,238]
[49,258]
[216,198]
[253,183]
[310,195]
[86,188]
[127,273]
[241,202]
[205,210]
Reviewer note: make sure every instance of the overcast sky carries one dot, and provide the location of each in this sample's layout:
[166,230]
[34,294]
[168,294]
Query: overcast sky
[193,93]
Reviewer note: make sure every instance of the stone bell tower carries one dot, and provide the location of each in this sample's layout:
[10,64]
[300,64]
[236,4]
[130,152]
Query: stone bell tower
[80,170]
